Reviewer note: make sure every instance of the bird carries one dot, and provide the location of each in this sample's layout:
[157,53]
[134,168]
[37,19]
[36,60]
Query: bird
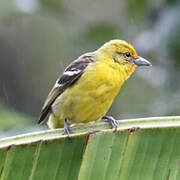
[87,88]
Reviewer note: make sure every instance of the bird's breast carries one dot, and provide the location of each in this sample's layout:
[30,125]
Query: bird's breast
[91,97]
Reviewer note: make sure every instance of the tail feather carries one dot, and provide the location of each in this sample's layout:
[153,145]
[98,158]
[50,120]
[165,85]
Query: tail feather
[43,115]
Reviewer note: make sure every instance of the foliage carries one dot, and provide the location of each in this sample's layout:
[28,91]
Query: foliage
[141,149]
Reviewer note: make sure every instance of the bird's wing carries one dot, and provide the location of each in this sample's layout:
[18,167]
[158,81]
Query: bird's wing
[70,75]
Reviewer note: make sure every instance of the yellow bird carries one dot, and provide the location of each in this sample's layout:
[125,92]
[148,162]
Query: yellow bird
[86,89]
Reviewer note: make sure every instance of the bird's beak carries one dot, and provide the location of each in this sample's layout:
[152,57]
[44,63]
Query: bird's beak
[140,61]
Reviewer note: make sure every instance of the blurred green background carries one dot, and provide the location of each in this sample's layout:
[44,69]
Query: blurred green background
[39,38]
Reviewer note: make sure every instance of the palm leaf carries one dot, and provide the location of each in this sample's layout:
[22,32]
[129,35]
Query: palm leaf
[146,149]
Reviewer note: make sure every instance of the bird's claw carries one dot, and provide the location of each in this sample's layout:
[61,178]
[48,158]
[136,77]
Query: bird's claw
[67,129]
[110,119]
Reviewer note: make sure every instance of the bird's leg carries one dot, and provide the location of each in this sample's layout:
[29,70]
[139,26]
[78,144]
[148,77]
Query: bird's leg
[111,120]
[67,129]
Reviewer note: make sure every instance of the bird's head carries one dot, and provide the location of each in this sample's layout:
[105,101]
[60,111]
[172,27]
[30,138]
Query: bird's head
[123,53]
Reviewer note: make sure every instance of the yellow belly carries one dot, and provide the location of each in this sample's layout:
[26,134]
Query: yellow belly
[88,100]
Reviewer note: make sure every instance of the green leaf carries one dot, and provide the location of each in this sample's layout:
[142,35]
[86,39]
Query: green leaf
[147,148]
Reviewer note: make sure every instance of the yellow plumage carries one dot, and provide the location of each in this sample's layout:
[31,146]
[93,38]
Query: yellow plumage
[90,97]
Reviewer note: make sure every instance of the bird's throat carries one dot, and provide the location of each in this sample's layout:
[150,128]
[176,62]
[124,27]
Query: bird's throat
[125,71]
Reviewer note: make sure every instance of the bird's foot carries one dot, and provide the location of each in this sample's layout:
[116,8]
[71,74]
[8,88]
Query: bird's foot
[67,129]
[112,121]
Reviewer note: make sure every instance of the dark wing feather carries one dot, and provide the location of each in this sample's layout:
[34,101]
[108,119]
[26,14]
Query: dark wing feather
[71,74]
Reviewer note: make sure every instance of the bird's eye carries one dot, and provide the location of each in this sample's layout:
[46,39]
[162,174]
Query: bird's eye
[127,54]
